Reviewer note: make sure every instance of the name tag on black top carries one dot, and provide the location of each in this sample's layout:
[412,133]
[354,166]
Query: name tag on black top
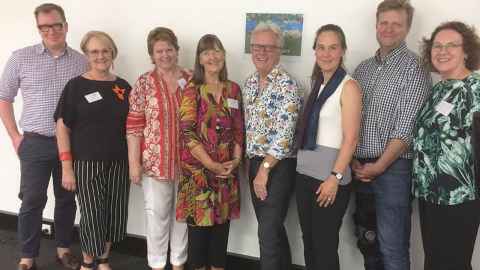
[92,97]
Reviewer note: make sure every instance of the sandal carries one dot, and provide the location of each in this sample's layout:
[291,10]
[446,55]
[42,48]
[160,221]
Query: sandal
[87,265]
[101,261]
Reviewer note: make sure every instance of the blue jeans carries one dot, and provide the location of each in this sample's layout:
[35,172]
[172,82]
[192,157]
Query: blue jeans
[392,200]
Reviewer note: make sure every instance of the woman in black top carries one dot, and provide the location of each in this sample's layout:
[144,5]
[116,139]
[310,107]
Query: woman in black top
[90,118]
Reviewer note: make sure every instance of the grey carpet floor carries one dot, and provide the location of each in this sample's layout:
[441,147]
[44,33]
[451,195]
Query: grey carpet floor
[46,260]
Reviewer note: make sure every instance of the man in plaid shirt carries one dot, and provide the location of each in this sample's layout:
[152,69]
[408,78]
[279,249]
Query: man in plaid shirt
[41,71]
[395,86]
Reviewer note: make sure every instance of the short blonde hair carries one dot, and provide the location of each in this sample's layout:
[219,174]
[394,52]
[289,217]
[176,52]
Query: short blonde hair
[269,27]
[103,37]
[387,5]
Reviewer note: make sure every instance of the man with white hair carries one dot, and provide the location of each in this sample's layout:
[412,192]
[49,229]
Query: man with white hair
[272,104]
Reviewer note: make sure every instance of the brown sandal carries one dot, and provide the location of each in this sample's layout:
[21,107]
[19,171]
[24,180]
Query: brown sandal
[87,265]
[101,261]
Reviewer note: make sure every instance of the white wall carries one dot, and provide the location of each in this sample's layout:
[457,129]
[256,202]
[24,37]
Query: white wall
[129,22]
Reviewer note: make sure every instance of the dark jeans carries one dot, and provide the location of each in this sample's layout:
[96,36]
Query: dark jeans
[320,225]
[274,247]
[449,233]
[38,162]
[391,193]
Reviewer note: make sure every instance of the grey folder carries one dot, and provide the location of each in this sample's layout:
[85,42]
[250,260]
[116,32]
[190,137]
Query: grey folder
[319,163]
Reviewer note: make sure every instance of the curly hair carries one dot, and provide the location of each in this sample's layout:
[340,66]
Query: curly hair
[470,44]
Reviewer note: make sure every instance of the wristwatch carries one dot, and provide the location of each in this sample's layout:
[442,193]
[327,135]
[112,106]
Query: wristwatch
[266,165]
[339,176]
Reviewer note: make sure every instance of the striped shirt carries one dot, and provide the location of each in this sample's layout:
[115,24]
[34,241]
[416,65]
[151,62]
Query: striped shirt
[42,78]
[394,87]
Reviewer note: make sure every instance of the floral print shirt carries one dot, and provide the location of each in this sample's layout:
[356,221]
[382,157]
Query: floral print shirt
[153,116]
[443,170]
[203,198]
[271,114]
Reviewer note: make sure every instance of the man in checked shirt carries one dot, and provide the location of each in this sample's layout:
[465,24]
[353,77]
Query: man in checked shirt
[394,86]
[41,71]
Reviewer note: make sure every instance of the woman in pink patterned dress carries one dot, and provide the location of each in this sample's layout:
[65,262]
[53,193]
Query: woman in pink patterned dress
[211,126]
[153,147]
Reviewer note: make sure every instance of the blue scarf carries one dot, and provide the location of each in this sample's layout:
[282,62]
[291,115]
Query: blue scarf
[314,105]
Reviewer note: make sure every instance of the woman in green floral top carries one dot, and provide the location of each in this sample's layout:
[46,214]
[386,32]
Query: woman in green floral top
[444,180]
[211,126]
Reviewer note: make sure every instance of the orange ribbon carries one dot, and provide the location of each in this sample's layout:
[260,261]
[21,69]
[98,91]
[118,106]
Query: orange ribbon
[119,92]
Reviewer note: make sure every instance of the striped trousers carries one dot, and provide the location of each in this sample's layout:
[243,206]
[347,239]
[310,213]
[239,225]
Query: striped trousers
[102,193]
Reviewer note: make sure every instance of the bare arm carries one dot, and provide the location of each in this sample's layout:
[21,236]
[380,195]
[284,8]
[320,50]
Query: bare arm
[8,118]
[63,143]
[134,158]
[395,148]
[261,179]
[199,153]
[351,102]
[135,126]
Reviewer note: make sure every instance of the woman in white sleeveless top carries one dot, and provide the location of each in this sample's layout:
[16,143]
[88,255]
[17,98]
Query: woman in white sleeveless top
[330,134]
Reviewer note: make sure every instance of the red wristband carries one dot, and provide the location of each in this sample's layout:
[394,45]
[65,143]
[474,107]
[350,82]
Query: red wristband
[65,156]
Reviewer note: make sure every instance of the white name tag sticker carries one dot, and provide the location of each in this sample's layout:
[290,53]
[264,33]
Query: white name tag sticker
[182,83]
[444,108]
[95,96]
[232,103]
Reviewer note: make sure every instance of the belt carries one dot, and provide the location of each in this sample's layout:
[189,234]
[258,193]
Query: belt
[36,135]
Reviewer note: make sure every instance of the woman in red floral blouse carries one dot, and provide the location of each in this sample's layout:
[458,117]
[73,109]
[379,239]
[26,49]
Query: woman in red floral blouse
[211,126]
[153,147]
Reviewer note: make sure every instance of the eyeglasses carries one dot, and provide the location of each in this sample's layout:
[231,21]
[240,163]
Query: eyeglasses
[97,53]
[448,47]
[262,48]
[44,28]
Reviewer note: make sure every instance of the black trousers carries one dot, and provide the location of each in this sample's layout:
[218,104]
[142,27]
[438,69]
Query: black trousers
[38,163]
[449,233]
[274,247]
[320,225]
[207,245]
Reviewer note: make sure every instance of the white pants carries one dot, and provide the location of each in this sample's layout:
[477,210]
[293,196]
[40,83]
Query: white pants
[161,226]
